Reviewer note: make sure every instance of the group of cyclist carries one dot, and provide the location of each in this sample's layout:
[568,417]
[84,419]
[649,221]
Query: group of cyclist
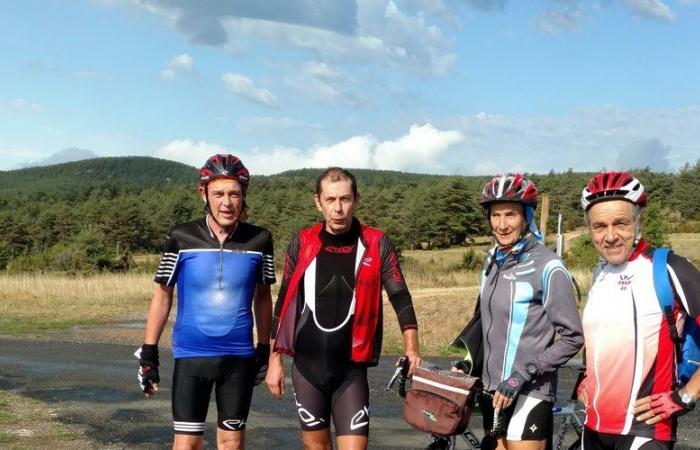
[328,318]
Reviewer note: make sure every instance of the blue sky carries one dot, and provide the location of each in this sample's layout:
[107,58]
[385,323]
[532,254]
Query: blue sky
[431,86]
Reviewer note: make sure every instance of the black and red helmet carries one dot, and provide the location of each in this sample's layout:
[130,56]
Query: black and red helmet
[224,166]
[512,187]
[613,186]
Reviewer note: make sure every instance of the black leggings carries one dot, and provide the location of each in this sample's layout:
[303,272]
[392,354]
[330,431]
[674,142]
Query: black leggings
[346,399]
[193,379]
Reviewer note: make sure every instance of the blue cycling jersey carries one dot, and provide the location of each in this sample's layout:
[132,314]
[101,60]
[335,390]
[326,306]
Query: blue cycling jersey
[215,286]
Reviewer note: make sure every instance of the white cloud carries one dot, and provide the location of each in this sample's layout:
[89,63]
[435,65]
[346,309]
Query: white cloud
[375,31]
[419,150]
[651,9]
[246,88]
[21,105]
[422,149]
[179,63]
[189,152]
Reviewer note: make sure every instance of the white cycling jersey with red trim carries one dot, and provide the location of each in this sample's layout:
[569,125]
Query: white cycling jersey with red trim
[629,350]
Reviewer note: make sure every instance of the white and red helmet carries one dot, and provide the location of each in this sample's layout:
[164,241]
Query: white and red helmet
[613,186]
[512,187]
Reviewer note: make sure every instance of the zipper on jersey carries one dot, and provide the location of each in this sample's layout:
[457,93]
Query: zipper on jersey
[221,263]
[494,282]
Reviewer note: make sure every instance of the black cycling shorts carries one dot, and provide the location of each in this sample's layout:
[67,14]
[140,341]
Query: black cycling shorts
[527,419]
[193,379]
[346,400]
[593,440]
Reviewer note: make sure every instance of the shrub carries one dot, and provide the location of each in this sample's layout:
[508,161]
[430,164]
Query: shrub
[472,260]
[582,253]
[656,226]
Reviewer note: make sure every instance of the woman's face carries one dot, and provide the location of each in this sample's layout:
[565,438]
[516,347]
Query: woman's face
[507,222]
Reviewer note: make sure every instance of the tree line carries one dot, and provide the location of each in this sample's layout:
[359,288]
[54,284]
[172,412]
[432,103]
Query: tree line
[95,215]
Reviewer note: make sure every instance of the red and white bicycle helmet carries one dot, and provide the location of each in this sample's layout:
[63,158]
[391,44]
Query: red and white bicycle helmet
[224,166]
[509,188]
[613,186]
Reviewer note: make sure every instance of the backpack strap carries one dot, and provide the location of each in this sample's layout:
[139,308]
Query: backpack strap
[664,294]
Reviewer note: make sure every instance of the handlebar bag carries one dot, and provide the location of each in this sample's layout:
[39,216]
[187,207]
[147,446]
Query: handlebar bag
[440,401]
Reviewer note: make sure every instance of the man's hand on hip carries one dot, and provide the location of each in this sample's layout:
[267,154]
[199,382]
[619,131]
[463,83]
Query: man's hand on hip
[658,407]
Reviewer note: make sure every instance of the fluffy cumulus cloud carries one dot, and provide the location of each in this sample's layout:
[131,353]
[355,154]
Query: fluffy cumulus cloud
[420,150]
[588,139]
[188,151]
[179,63]
[245,88]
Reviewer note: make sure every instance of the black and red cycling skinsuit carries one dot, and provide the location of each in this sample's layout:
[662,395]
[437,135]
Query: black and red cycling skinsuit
[330,306]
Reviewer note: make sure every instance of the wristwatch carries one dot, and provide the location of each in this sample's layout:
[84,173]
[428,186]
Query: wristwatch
[687,398]
[531,369]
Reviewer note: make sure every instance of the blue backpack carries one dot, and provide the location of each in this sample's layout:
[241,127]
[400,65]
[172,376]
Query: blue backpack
[687,345]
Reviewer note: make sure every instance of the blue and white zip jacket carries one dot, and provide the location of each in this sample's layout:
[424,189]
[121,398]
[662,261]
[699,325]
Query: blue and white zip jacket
[215,286]
[527,297]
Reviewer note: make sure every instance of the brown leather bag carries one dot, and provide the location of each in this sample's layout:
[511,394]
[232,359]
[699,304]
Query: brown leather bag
[440,401]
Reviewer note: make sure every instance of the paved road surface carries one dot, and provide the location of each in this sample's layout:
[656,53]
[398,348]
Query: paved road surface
[94,385]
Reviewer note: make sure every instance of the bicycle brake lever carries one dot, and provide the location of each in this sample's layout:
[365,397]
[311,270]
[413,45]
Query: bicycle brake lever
[399,369]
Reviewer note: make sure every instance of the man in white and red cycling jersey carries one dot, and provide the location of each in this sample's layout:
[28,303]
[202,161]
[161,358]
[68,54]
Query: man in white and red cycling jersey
[631,392]
[222,267]
[328,316]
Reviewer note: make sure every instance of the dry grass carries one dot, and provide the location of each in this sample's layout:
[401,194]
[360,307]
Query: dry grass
[687,245]
[443,294]
[36,302]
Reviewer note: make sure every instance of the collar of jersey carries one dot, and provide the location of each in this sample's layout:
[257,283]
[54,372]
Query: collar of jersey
[515,251]
[213,235]
[641,246]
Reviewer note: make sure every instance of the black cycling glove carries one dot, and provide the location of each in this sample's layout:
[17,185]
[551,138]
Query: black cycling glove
[262,355]
[148,367]
[512,386]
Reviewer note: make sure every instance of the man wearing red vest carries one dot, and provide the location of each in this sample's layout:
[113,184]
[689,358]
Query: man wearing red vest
[328,316]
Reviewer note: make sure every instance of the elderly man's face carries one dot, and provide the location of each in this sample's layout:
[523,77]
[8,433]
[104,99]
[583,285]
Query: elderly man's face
[613,229]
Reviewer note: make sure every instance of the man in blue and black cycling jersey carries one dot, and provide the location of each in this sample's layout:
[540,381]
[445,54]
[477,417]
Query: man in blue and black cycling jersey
[222,267]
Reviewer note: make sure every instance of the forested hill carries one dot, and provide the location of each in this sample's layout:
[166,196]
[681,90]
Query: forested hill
[80,176]
[55,216]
